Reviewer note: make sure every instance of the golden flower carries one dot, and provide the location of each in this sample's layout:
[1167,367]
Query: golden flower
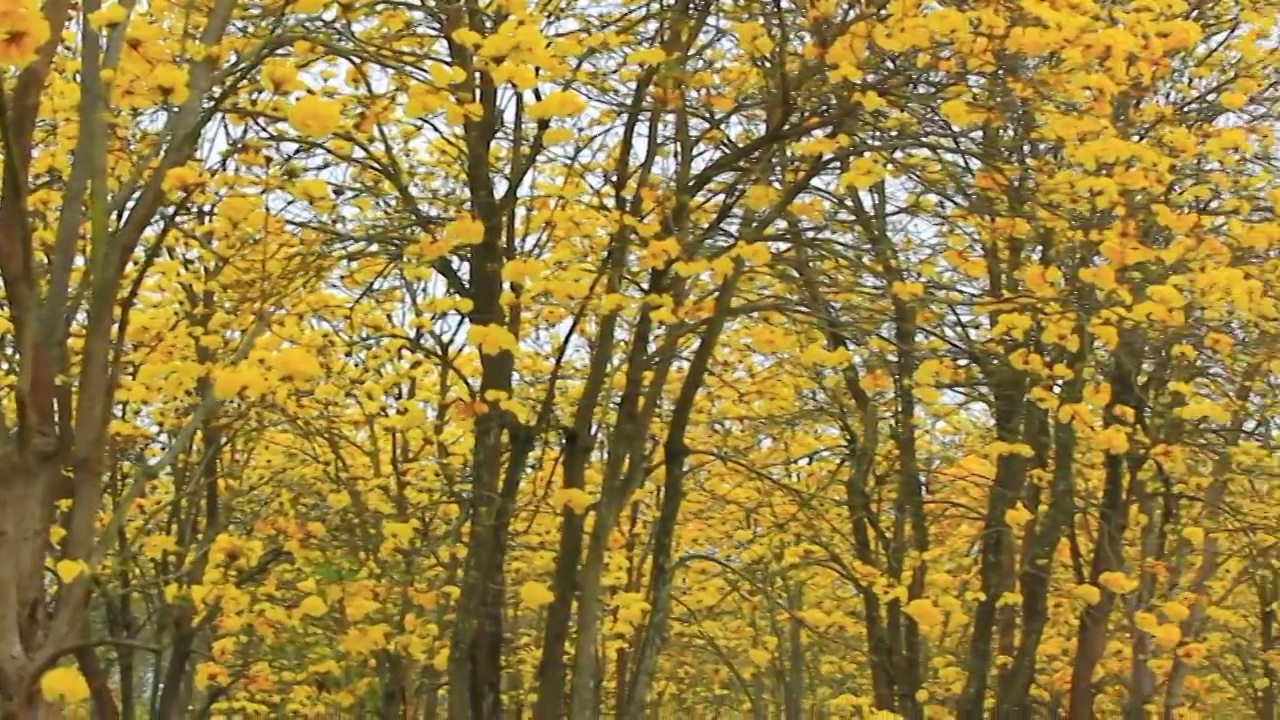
[315,116]
[23,30]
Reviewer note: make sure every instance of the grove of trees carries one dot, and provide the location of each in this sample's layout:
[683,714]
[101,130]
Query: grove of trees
[643,358]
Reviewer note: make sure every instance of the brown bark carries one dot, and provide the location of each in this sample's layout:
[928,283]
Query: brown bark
[1051,441]
[1210,555]
[1010,477]
[58,448]
[624,465]
[104,703]
[861,428]
[624,470]
[32,455]
[1268,590]
[475,669]
[1108,555]
[30,706]
[579,440]
[675,456]
[793,688]
[1015,687]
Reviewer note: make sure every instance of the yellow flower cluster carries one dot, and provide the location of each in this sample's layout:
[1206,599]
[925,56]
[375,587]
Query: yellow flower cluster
[23,31]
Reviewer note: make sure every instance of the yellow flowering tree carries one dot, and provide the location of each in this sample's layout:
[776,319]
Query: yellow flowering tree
[112,313]
[484,358]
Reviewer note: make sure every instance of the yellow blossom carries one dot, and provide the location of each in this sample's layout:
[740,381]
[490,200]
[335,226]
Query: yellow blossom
[64,684]
[924,612]
[535,595]
[441,660]
[1090,594]
[297,363]
[1175,612]
[315,116]
[23,30]
[107,16]
[1018,516]
[69,570]
[1168,636]
[280,76]
[313,606]
[561,103]
[1112,440]
[491,339]
[1116,582]
[464,231]
[171,82]
[1145,621]
[1232,100]
[576,500]
[555,136]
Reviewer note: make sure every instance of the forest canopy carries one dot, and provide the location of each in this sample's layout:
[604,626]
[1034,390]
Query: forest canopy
[645,358]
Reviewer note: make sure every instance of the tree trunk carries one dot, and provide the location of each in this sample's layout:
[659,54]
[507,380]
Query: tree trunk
[1108,556]
[26,504]
[578,444]
[1015,688]
[793,692]
[590,612]
[391,698]
[674,458]
[172,701]
[475,669]
[661,580]
[1210,557]
[475,654]
[1142,681]
[911,497]
[104,704]
[1005,491]
[31,706]
[862,437]
[1266,645]
[1057,440]
[623,471]
[550,704]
